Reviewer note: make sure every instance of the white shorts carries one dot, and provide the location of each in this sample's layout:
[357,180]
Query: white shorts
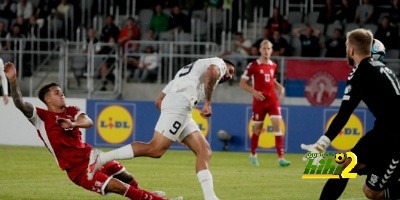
[175,121]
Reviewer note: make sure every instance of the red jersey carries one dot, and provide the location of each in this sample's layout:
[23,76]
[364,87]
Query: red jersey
[66,145]
[263,76]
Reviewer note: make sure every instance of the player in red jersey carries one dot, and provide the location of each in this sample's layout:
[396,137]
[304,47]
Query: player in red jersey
[265,101]
[58,128]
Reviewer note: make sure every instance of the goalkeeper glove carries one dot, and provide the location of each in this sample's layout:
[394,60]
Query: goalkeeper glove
[319,147]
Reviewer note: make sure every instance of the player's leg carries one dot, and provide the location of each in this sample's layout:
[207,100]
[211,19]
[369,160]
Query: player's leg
[117,186]
[259,113]
[167,130]
[257,128]
[193,138]
[334,188]
[276,117]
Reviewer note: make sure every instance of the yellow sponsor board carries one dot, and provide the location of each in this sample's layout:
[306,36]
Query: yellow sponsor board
[349,135]
[267,137]
[115,124]
[201,122]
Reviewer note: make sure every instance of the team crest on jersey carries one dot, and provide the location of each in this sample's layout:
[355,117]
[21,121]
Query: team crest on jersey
[321,89]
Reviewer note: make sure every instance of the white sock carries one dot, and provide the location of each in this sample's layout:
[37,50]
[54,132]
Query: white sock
[206,182]
[125,152]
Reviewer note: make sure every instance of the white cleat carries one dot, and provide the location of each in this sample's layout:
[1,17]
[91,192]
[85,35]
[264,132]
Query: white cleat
[159,193]
[95,163]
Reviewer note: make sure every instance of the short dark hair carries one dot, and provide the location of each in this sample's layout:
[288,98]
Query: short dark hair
[44,89]
[229,63]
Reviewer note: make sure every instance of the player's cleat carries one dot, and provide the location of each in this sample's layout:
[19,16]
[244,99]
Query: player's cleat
[254,160]
[159,193]
[283,163]
[177,198]
[95,163]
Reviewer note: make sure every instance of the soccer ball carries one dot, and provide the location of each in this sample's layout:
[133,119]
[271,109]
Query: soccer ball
[378,50]
[340,158]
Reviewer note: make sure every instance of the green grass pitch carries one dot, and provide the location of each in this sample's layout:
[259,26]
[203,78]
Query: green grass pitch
[31,173]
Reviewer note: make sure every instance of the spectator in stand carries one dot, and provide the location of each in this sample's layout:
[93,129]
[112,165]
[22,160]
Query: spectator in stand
[394,13]
[8,10]
[266,36]
[178,21]
[327,15]
[254,54]
[109,30]
[241,50]
[129,32]
[345,13]
[106,69]
[3,35]
[33,28]
[310,46]
[159,20]
[91,39]
[148,66]
[149,36]
[44,8]
[336,45]
[388,34]
[22,25]
[364,13]
[279,44]
[63,8]
[24,9]
[277,22]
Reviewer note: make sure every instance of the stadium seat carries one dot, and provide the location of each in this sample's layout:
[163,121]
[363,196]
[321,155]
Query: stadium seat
[295,17]
[392,54]
[199,14]
[312,17]
[144,20]
[371,27]
[350,27]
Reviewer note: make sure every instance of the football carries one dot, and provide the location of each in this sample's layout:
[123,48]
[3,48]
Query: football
[340,158]
[378,50]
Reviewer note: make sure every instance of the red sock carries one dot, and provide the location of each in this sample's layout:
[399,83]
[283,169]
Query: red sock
[279,144]
[254,143]
[134,184]
[138,194]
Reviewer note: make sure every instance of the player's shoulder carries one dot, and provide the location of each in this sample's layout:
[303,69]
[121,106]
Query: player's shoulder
[73,108]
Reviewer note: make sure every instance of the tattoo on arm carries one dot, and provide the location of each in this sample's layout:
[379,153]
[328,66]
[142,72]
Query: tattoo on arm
[210,81]
[25,107]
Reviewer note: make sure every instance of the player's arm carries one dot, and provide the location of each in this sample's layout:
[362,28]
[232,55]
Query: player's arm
[82,121]
[4,83]
[159,100]
[280,88]
[349,103]
[245,85]
[211,77]
[11,74]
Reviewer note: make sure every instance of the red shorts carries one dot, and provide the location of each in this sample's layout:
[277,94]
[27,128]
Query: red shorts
[261,109]
[100,179]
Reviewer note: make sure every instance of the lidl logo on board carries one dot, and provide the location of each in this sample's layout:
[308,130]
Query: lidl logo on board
[349,135]
[115,124]
[200,121]
[267,137]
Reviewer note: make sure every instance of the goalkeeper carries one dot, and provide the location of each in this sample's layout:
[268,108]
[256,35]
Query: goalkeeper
[372,82]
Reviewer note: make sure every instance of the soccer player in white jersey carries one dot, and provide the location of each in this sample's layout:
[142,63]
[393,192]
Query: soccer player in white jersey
[192,84]
[4,83]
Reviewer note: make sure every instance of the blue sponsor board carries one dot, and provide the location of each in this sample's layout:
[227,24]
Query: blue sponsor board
[302,124]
